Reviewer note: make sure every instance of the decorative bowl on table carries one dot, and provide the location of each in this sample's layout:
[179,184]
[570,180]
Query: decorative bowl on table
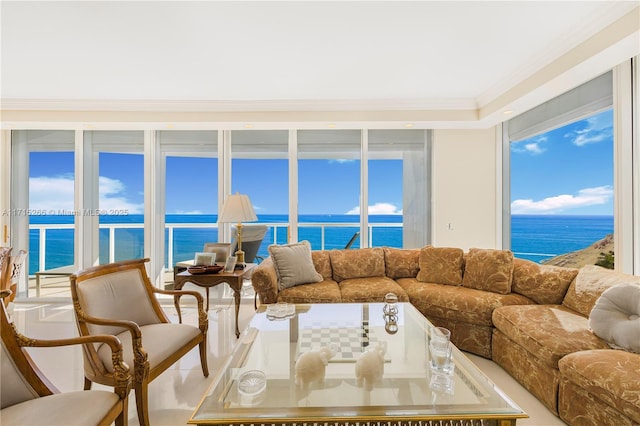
[204,269]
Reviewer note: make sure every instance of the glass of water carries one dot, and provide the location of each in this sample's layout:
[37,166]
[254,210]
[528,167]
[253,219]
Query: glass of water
[440,349]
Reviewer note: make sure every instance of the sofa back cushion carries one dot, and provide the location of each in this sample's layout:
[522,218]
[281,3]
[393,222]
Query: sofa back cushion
[359,263]
[401,263]
[293,264]
[322,263]
[489,270]
[441,265]
[590,282]
[544,284]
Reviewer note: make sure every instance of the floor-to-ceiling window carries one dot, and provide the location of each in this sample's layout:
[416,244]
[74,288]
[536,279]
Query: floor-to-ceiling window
[190,192]
[130,191]
[328,187]
[398,182]
[43,208]
[562,179]
[259,169]
[114,192]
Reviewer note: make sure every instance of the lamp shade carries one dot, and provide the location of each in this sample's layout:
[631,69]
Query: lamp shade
[237,208]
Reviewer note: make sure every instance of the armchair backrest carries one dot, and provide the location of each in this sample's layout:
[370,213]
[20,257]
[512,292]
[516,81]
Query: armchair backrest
[20,379]
[117,291]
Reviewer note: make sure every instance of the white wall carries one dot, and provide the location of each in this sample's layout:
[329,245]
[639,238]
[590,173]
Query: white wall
[465,173]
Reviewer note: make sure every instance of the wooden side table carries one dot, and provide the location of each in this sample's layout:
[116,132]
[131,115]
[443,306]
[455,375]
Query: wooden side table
[234,279]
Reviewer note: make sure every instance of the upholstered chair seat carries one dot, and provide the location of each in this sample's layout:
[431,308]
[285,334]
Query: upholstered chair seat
[160,341]
[60,409]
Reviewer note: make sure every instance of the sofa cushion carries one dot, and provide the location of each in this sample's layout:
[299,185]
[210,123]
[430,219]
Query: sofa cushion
[462,304]
[293,264]
[548,332]
[611,376]
[616,316]
[401,263]
[326,291]
[370,289]
[441,265]
[589,284]
[489,270]
[359,263]
[544,284]
[322,263]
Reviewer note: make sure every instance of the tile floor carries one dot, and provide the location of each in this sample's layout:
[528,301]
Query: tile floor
[176,393]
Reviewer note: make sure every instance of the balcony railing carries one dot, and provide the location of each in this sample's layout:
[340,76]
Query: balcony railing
[277,233]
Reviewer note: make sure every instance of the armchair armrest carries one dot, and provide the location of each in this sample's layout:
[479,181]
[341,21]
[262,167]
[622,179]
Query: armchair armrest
[121,373]
[203,317]
[265,281]
[139,354]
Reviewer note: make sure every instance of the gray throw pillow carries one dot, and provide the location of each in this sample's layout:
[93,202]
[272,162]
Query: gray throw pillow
[293,264]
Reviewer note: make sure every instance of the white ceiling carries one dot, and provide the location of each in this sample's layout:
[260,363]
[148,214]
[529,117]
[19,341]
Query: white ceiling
[317,55]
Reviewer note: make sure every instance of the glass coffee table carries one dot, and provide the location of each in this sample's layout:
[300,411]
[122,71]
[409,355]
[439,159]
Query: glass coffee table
[407,394]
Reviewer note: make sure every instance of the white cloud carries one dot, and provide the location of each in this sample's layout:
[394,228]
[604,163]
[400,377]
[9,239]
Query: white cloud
[57,193]
[378,208]
[532,145]
[51,193]
[599,128]
[559,203]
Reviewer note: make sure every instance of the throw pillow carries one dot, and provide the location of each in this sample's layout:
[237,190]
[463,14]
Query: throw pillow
[293,264]
[615,317]
[441,265]
[489,270]
[544,284]
[589,284]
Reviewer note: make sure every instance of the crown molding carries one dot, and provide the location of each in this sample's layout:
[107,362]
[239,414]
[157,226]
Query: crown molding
[234,106]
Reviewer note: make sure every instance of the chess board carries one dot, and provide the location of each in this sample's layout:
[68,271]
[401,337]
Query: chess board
[351,340]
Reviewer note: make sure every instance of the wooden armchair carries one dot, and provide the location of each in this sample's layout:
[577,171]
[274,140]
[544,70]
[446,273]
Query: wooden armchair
[28,398]
[119,299]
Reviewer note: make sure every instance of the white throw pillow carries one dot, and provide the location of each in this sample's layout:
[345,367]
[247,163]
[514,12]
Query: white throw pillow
[293,264]
[615,317]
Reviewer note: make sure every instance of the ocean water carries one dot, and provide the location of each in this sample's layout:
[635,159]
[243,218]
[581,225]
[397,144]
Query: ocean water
[534,237]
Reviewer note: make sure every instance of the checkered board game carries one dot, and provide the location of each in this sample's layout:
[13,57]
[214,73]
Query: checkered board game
[351,340]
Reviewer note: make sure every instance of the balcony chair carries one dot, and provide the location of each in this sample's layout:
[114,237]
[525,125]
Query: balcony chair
[119,299]
[352,240]
[29,398]
[252,236]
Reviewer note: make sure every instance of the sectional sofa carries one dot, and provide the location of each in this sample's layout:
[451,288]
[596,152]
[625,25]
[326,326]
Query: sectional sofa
[531,319]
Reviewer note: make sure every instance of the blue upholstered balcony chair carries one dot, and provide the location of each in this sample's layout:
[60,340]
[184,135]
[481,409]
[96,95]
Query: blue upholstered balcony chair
[29,398]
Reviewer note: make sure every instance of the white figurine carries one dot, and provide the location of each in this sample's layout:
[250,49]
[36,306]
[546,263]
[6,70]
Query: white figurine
[310,366]
[370,366]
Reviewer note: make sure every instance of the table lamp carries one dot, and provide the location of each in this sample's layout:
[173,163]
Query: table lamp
[237,208]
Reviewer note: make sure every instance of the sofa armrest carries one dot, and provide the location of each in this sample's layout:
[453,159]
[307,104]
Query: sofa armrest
[265,281]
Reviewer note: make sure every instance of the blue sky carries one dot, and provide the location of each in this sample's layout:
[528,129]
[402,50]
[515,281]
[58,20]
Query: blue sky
[568,170]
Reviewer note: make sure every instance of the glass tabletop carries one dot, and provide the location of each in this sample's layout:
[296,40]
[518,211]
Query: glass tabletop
[407,390]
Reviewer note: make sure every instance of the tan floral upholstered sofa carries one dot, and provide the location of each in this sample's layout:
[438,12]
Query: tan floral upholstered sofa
[531,319]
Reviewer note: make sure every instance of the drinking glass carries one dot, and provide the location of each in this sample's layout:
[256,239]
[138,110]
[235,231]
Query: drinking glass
[440,349]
